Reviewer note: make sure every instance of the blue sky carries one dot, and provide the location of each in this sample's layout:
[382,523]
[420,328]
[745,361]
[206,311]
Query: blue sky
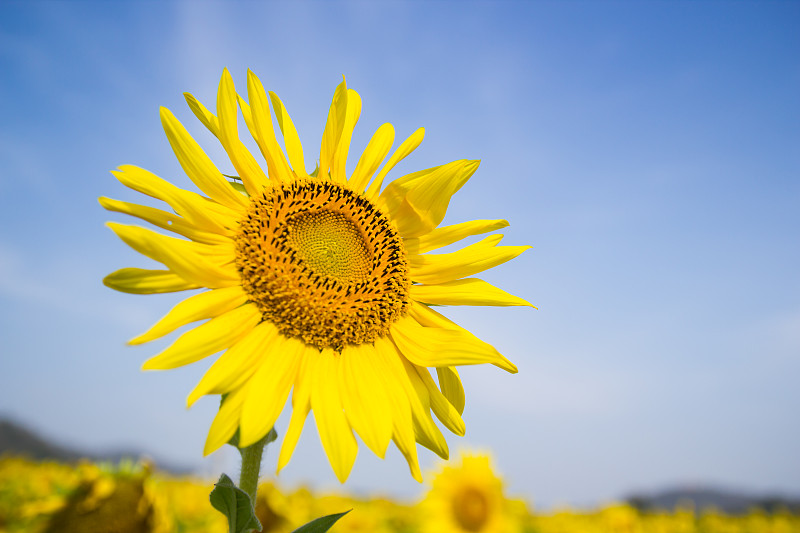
[650,153]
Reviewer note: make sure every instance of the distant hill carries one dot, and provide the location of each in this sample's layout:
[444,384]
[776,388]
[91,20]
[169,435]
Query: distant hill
[702,498]
[18,440]
[15,439]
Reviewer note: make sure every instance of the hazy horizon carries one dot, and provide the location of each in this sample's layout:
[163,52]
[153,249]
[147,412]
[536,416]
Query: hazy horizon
[209,472]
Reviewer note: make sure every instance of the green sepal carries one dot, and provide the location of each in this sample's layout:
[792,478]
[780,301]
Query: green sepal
[235,504]
[238,186]
[322,524]
[272,436]
[236,183]
[235,439]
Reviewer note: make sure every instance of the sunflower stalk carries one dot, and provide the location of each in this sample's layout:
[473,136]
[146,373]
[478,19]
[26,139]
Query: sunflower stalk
[251,464]
[238,504]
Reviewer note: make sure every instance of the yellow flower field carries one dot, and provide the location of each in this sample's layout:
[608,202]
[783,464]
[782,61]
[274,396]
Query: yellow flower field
[48,497]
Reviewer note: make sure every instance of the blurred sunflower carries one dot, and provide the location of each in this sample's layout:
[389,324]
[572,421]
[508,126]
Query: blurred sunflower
[320,282]
[468,498]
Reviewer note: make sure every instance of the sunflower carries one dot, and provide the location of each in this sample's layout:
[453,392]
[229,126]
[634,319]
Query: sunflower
[468,498]
[317,284]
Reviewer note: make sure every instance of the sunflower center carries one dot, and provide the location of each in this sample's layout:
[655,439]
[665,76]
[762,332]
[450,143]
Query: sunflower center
[471,509]
[330,244]
[322,263]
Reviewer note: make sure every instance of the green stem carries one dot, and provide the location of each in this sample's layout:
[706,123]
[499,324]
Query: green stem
[251,465]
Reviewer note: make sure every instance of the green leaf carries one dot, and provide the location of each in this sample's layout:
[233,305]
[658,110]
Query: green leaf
[321,525]
[235,504]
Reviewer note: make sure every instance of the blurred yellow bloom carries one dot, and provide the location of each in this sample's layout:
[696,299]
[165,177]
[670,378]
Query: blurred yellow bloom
[282,512]
[319,284]
[183,505]
[367,516]
[621,518]
[468,498]
[107,500]
[33,494]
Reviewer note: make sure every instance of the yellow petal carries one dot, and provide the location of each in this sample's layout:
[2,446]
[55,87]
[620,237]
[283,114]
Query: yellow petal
[406,180]
[265,134]
[244,107]
[372,157]
[425,430]
[204,115]
[162,219]
[293,431]
[224,426]
[301,405]
[269,388]
[433,347]
[142,281]
[211,337]
[430,318]
[419,205]
[198,166]
[452,388]
[449,381]
[338,170]
[208,304]
[334,431]
[444,410]
[290,138]
[441,268]
[467,291]
[364,399]
[189,205]
[333,128]
[222,255]
[180,256]
[433,440]
[402,419]
[220,211]
[243,161]
[234,367]
[409,450]
[408,146]
[445,235]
